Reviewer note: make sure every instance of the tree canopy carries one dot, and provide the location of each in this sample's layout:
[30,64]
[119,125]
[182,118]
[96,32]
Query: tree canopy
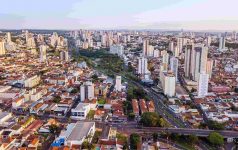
[216,138]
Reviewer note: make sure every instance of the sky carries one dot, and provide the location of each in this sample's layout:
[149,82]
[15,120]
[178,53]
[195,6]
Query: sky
[119,14]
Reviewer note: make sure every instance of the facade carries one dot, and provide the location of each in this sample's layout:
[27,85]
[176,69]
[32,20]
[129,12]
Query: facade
[87,91]
[174,67]
[75,134]
[43,49]
[117,49]
[145,47]
[203,84]
[142,66]
[64,56]
[80,112]
[2,48]
[118,84]
[168,83]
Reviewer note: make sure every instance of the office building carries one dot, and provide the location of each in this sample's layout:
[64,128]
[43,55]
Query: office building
[87,91]
[203,84]
[118,84]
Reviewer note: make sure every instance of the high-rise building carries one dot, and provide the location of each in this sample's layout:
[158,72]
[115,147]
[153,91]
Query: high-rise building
[209,67]
[2,48]
[145,47]
[43,49]
[209,41]
[171,46]
[188,60]
[234,35]
[222,43]
[195,61]
[9,38]
[64,56]
[203,84]
[118,84]
[87,91]
[168,83]
[174,67]
[200,59]
[142,66]
[180,44]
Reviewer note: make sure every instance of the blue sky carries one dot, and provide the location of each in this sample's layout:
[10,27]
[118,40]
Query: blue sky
[117,14]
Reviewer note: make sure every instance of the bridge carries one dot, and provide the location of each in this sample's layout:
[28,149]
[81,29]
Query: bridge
[185,131]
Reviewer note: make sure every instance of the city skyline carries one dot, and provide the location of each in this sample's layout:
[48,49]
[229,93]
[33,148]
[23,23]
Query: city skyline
[106,14]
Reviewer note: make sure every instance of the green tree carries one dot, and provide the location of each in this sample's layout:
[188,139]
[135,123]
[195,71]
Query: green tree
[131,116]
[53,128]
[150,119]
[216,139]
[57,99]
[213,125]
[193,139]
[155,136]
[134,140]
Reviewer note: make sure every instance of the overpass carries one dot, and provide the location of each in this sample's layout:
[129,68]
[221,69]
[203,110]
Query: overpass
[185,131]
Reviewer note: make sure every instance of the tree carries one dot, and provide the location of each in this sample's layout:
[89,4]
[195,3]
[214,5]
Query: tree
[53,128]
[134,140]
[213,125]
[131,116]
[193,139]
[150,119]
[87,145]
[57,99]
[155,136]
[216,138]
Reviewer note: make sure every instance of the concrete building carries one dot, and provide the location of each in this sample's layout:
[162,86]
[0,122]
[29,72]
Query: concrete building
[117,49]
[64,56]
[9,38]
[203,84]
[80,112]
[174,67]
[168,83]
[143,67]
[145,47]
[118,84]
[87,91]
[75,134]
[43,52]
[2,48]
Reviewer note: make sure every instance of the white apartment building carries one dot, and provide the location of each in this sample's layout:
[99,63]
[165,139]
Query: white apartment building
[203,84]
[87,91]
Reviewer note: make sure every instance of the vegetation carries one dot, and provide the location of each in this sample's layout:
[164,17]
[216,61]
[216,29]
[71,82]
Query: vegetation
[183,140]
[53,128]
[87,145]
[57,99]
[152,119]
[135,93]
[101,101]
[131,116]
[121,137]
[127,107]
[216,139]
[91,114]
[213,125]
[134,140]
[96,136]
